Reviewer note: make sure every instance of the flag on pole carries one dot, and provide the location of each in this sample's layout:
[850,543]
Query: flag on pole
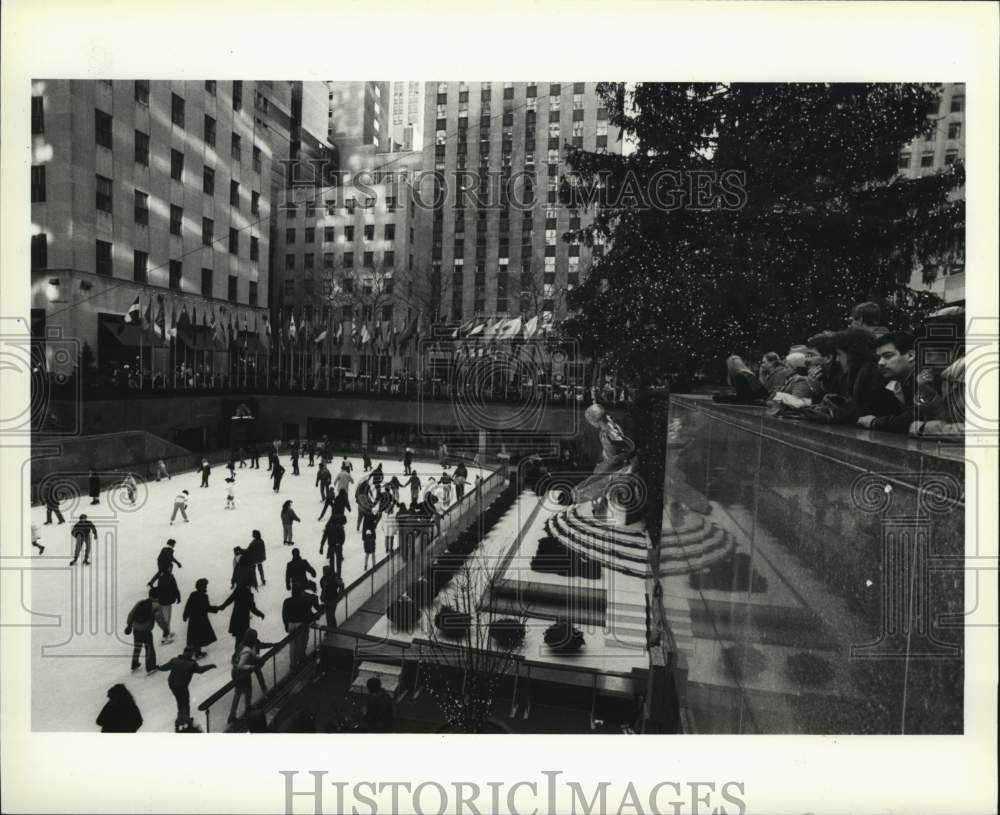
[338,338]
[134,313]
[355,333]
[147,319]
[365,335]
[160,327]
[173,322]
[266,340]
[513,329]
[531,328]
[292,332]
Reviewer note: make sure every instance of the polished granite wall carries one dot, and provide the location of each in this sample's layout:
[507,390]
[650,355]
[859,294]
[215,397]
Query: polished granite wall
[839,610]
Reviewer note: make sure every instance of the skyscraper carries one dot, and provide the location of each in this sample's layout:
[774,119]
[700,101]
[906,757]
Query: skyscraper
[406,113]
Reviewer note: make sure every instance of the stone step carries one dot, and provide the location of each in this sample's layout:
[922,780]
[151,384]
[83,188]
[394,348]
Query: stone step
[623,642]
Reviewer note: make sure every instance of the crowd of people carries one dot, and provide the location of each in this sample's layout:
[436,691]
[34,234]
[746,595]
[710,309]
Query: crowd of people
[381,506]
[866,375]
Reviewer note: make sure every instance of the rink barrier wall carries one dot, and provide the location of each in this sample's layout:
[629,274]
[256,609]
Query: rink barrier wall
[275,663]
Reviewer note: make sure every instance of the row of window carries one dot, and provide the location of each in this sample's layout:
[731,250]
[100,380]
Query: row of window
[140,268]
[927,159]
[329,233]
[486,89]
[368,260]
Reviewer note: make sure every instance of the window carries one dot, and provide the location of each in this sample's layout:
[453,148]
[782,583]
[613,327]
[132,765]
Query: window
[290,235]
[904,161]
[955,130]
[237,94]
[328,234]
[390,204]
[210,86]
[38,184]
[307,261]
[348,264]
[310,234]
[349,205]
[254,202]
[210,131]
[141,148]
[208,181]
[349,234]
[176,165]
[234,194]
[927,160]
[175,274]
[176,217]
[142,91]
[140,262]
[289,288]
[328,260]
[950,156]
[37,114]
[103,265]
[103,194]
[236,147]
[389,259]
[957,104]
[253,293]
[602,114]
[310,287]
[206,282]
[234,241]
[39,251]
[102,128]
[141,208]
[369,203]
[369,259]
[289,261]
[233,284]
[389,232]
[369,232]
[176,110]
[256,159]
[207,231]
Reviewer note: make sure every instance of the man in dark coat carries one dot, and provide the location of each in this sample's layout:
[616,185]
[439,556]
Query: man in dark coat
[296,570]
[334,535]
[311,451]
[81,533]
[407,461]
[295,458]
[167,593]
[166,560]
[323,478]
[94,484]
[276,474]
[256,553]
[243,606]
[897,365]
[199,630]
[181,669]
[52,506]
[296,613]
[254,456]
[139,624]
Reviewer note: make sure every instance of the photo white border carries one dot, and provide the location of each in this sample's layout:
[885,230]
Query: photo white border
[854,41]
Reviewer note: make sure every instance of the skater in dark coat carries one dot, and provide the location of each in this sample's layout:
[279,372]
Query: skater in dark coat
[120,714]
[94,484]
[199,631]
[182,669]
[52,506]
[276,473]
[244,570]
[377,476]
[407,461]
[206,469]
[323,479]
[295,458]
[297,571]
[243,606]
[166,560]
[81,533]
[334,535]
[232,465]
[394,485]
[338,504]
[288,518]
[366,460]
[254,457]
[311,451]
[414,485]
[363,500]
[256,554]
[331,589]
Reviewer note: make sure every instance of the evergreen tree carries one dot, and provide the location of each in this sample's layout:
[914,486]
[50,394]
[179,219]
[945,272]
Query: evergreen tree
[750,216]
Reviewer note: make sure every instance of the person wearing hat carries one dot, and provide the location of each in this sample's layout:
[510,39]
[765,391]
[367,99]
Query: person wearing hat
[199,628]
[182,668]
[81,532]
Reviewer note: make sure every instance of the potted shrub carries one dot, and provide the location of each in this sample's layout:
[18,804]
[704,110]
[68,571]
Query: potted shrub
[403,612]
[563,637]
[508,633]
[451,622]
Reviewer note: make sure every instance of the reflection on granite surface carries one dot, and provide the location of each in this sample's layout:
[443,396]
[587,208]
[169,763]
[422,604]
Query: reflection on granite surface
[825,615]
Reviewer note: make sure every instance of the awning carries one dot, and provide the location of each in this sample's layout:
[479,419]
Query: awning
[131,335]
[197,338]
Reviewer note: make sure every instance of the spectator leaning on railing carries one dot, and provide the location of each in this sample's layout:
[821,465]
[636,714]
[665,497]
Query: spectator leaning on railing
[896,363]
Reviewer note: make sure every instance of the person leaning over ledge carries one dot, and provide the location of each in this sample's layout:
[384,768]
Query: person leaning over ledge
[896,363]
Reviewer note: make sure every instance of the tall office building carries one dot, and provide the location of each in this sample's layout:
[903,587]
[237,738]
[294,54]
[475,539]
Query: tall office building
[156,190]
[485,256]
[940,146]
[406,115]
[358,117]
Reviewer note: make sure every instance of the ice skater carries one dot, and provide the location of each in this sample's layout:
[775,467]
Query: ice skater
[297,612]
[256,553]
[362,497]
[167,594]
[346,465]
[180,505]
[311,451]
[331,589]
[94,485]
[443,455]
[243,606]
[205,470]
[244,571]
[230,493]
[366,460]
[394,485]
[81,532]
[246,664]
[36,536]
[241,454]
[323,479]
[182,668]
[377,476]
[446,482]
[370,522]
[130,487]
[120,714]
[254,456]
[161,470]
[297,572]
[52,506]
[231,466]
[288,517]
[295,458]
[407,461]
[414,485]
[334,535]
[139,624]
[200,633]
[461,476]
[165,559]
[276,474]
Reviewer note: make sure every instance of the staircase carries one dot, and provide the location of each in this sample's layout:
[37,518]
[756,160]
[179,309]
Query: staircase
[625,621]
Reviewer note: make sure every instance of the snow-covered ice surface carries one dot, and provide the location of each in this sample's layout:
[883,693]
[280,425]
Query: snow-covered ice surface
[83,650]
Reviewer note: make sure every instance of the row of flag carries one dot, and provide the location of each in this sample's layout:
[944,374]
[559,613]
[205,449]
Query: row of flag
[224,325]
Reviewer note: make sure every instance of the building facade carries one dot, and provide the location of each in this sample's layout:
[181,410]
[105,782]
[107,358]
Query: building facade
[156,190]
[406,114]
[358,117]
[494,244]
[939,147]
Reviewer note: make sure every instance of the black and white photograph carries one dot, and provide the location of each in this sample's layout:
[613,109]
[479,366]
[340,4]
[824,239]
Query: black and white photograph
[433,405]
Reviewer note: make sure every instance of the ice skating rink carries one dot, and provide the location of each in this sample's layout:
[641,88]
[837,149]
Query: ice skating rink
[82,649]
